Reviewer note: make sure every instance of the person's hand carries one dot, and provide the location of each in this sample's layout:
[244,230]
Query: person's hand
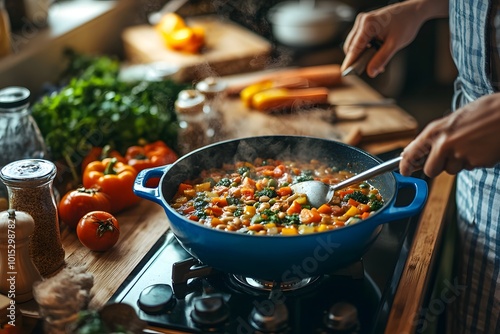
[395,25]
[465,139]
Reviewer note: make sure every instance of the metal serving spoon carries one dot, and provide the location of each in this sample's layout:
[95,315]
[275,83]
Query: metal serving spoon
[319,193]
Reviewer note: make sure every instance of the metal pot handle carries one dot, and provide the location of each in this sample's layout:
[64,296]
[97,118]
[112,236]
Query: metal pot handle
[415,207]
[140,189]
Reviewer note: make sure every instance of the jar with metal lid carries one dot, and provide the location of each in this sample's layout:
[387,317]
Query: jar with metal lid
[214,91]
[20,137]
[17,270]
[30,186]
[194,128]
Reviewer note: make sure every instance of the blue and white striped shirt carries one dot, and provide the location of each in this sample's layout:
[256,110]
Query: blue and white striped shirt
[474,48]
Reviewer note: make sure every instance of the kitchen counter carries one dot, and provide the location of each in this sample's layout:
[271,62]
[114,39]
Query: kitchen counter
[143,225]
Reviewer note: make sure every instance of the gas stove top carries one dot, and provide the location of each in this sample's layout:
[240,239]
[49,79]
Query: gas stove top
[170,290]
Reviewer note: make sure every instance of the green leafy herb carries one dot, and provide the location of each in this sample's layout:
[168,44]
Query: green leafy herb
[357,196]
[243,170]
[306,175]
[94,108]
[269,192]
[375,204]
[292,219]
[224,182]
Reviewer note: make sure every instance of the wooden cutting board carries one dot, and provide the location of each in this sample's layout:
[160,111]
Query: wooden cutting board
[229,49]
[380,123]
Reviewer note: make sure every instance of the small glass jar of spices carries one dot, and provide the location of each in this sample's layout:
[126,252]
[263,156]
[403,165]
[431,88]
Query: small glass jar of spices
[20,137]
[214,91]
[194,128]
[30,187]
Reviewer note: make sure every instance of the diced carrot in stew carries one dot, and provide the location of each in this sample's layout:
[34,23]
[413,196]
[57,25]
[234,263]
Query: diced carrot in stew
[193,218]
[268,172]
[184,186]
[213,211]
[365,215]
[255,227]
[247,193]
[188,209]
[353,202]
[309,216]
[344,192]
[363,207]
[219,201]
[215,221]
[248,182]
[325,208]
[279,170]
[284,191]
[294,208]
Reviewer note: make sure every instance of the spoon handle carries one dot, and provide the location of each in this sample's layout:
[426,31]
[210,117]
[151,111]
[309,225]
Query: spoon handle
[369,173]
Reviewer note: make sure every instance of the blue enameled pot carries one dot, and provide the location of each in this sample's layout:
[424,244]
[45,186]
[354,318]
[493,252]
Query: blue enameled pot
[282,258]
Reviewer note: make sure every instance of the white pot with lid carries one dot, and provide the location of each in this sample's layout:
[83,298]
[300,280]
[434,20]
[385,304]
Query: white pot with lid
[308,23]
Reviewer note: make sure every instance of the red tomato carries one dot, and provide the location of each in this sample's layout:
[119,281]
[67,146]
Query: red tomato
[98,231]
[76,203]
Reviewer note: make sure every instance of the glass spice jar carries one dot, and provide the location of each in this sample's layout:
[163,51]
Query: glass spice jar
[20,137]
[214,91]
[30,187]
[194,130]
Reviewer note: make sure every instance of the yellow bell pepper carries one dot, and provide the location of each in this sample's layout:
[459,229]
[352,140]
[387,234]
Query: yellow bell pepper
[179,36]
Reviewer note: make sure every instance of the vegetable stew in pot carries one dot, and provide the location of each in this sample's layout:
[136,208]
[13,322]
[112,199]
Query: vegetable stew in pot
[256,198]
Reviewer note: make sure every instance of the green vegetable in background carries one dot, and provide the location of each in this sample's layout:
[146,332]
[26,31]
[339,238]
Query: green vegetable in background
[95,109]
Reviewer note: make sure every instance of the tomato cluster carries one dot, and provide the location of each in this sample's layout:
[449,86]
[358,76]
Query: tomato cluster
[108,180]
[86,211]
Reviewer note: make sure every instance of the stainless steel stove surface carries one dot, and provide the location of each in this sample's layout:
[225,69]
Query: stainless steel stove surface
[171,290]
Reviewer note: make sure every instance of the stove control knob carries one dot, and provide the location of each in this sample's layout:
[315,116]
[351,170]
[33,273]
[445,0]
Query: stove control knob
[270,318]
[342,317]
[209,310]
[156,298]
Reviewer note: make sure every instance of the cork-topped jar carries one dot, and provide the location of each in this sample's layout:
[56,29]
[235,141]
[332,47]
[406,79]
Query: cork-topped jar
[30,187]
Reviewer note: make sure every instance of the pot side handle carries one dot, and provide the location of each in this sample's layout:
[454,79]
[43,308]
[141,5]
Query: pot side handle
[140,189]
[415,207]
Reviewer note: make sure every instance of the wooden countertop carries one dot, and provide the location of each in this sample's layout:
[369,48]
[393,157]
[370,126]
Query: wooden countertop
[416,278]
[142,225]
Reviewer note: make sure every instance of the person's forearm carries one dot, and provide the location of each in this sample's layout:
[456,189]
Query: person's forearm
[432,9]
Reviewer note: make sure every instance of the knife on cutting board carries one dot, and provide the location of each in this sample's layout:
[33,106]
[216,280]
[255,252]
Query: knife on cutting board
[359,65]
[311,76]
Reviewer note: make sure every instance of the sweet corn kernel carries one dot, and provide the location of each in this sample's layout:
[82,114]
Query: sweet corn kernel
[306,229]
[322,228]
[249,210]
[289,230]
